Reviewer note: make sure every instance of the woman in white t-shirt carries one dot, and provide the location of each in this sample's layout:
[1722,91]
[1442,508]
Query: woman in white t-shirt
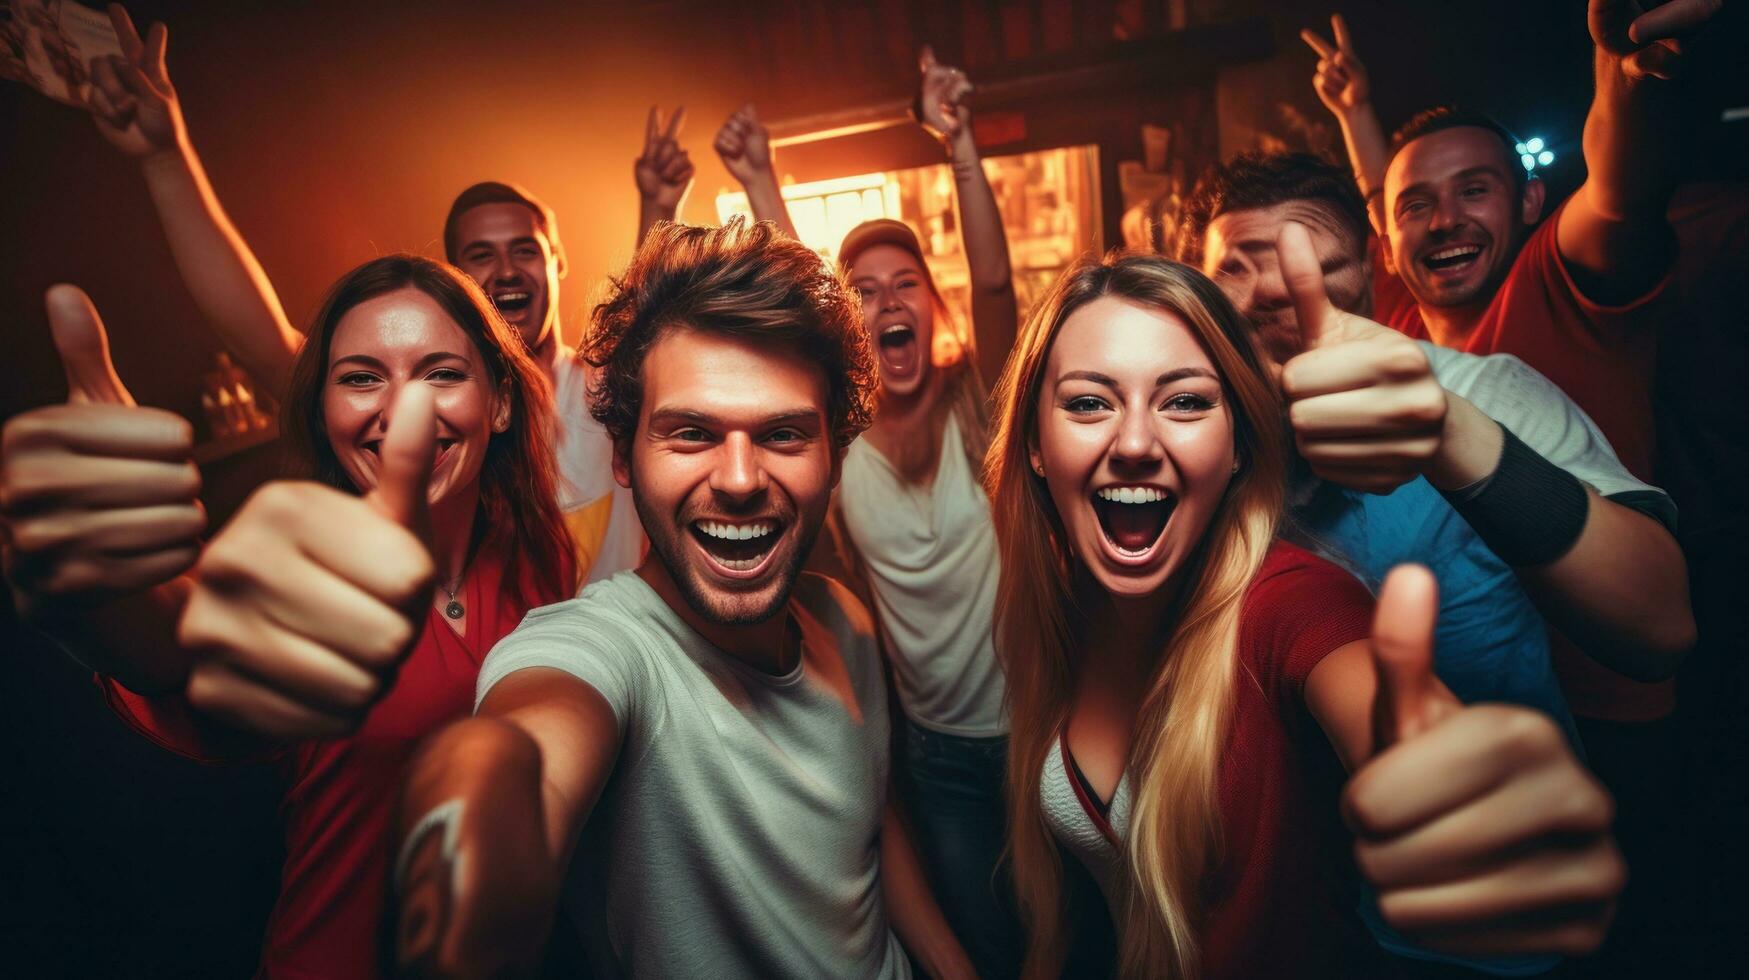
[912,524]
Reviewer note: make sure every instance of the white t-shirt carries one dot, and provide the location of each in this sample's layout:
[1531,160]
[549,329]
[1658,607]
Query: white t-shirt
[739,833]
[599,511]
[930,557]
[1515,395]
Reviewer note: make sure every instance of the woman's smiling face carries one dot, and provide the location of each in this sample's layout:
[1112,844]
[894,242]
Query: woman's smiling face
[396,339]
[1136,442]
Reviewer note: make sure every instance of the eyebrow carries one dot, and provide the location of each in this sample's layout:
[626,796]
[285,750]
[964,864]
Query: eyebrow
[1176,374]
[902,271]
[672,416]
[1423,187]
[481,242]
[426,361]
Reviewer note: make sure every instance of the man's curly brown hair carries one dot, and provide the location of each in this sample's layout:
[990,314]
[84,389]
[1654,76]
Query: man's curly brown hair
[746,280]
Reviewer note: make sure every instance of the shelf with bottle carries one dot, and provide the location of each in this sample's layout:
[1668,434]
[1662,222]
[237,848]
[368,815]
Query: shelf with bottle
[237,418]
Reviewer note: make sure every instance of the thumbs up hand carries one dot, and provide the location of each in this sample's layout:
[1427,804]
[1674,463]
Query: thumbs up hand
[1366,409]
[305,605]
[1480,831]
[99,497]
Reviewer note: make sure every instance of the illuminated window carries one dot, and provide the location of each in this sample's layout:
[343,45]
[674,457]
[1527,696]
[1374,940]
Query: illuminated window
[1049,201]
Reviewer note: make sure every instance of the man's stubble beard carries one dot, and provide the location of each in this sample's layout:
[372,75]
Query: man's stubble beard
[670,550]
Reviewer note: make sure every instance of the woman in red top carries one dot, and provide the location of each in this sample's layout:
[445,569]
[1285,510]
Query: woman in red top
[1178,677]
[336,621]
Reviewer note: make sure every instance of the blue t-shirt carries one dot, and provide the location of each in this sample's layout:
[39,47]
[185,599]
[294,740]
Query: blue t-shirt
[1490,645]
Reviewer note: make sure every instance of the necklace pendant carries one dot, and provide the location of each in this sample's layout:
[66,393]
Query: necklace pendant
[454,610]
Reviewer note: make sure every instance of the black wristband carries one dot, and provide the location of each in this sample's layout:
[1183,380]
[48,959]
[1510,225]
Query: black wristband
[1528,511]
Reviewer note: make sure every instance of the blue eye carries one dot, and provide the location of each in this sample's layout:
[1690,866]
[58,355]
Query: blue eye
[1084,405]
[356,379]
[1188,402]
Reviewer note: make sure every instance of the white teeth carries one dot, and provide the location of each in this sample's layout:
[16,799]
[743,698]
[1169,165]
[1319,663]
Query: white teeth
[512,297]
[1132,495]
[736,532]
[895,328]
[739,564]
[1452,253]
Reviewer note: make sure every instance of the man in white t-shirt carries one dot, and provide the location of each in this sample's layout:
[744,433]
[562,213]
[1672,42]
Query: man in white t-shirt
[694,753]
[506,240]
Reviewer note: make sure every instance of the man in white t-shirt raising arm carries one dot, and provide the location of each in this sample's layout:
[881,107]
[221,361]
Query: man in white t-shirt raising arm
[693,753]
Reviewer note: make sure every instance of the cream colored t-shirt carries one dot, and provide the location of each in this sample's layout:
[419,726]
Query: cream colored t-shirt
[930,557]
[603,522]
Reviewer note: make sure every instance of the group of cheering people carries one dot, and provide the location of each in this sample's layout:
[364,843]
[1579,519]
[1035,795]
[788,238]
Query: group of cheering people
[1117,562]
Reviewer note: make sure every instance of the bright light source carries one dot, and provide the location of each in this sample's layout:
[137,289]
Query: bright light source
[1520,149]
[1534,145]
[1528,161]
[1545,158]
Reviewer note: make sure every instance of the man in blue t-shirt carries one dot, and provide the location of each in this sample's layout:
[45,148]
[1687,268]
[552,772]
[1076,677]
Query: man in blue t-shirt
[1478,467]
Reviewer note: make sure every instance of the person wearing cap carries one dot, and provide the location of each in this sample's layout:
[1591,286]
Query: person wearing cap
[912,525]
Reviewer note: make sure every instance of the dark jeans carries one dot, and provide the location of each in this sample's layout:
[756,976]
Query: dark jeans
[953,792]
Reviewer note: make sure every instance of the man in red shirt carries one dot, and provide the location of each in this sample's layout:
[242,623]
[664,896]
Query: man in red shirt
[1576,297]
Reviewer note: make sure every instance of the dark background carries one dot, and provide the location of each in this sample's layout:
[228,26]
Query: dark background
[334,132]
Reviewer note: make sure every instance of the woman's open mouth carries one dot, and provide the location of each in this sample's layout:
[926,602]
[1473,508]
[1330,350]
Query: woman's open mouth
[897,345]
[738,549]
[1133,518]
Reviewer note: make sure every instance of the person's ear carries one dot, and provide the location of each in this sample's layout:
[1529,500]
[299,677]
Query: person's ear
[1531,207]
[1036,460]
[559,257]
[622,462]
[1387,255]
[837,466]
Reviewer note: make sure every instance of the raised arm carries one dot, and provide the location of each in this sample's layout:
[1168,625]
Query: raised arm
[136,109]
[1613,233]
[663,171]
[995,312]
[99,499]
[1480,831]
[745,149]
[489,815]
[1343,86]
[1369,414]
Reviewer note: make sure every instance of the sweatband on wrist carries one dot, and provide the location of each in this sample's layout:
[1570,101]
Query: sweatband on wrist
[1528,511]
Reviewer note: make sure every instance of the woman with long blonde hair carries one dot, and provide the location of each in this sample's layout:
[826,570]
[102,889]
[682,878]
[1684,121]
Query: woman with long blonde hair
[1178,676]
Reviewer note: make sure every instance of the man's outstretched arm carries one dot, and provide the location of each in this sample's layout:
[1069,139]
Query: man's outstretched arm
[489,814]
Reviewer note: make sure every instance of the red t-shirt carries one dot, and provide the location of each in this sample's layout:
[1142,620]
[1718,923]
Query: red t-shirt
[340,793]
[1279,903]
[1603,358]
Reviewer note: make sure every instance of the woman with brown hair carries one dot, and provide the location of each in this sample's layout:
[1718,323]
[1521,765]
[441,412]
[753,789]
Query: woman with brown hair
[1178,677]
[335,621]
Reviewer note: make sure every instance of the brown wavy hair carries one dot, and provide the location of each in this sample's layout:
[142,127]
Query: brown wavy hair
[747,280]
[1042,600]
[519,498]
